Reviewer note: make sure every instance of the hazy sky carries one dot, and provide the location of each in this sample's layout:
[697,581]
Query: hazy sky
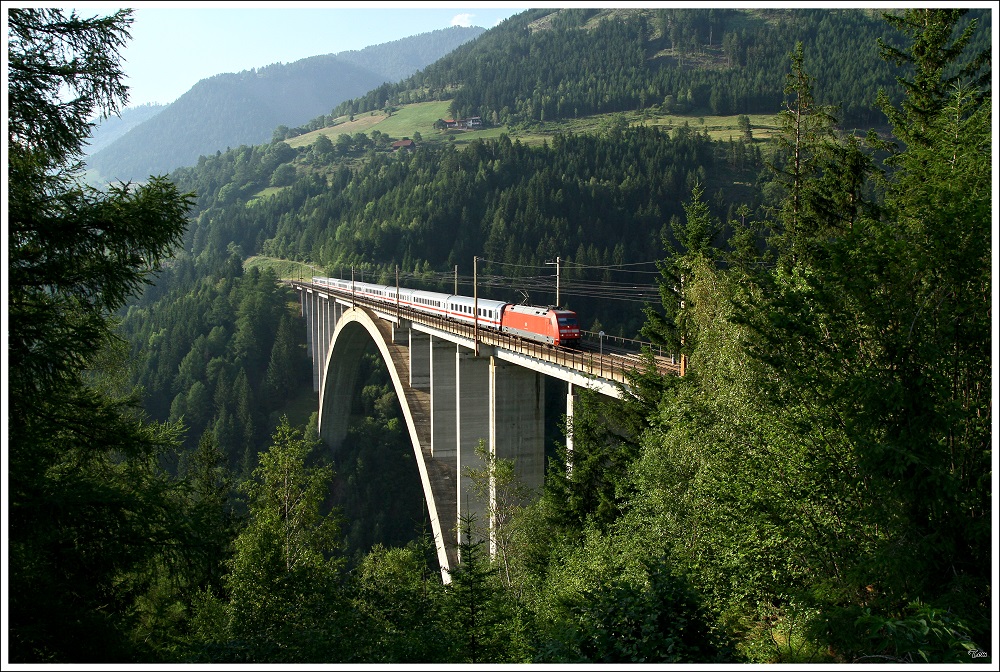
[176,44]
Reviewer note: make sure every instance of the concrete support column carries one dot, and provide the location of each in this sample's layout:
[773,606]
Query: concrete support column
[401,333]
[444,439]
[517,430]
[324,329]
[517,420]
[473,419]
[420,360]
[305,297]
[570,400]
[330,323]
[312,303]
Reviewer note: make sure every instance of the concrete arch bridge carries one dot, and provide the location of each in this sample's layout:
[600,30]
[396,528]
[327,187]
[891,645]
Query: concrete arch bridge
[456,386]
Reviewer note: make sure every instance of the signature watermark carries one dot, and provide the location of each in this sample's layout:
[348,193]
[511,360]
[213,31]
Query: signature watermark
[978,653]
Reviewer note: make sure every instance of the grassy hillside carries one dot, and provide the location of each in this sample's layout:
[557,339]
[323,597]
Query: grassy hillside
[283,268]
[420,117]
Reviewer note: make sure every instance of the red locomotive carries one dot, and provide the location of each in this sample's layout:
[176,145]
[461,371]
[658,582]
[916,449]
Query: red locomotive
[554,326]
[548,325]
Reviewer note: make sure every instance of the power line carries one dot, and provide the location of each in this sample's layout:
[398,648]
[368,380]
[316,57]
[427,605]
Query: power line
[616,267]
[577,287]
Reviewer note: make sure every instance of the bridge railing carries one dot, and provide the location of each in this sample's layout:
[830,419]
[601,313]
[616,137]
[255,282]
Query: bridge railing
[622,345]
[609,366]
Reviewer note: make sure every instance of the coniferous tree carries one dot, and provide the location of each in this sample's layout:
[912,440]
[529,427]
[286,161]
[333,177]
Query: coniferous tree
[282,598]
[878,331]
[485,625]
[91,513]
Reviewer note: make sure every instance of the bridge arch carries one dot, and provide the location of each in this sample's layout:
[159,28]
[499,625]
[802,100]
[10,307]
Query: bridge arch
[456,390]
[355,329]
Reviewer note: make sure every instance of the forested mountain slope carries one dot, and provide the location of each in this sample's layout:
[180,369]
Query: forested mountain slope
[820,476]
[233,109]
[593,200]
[547,64]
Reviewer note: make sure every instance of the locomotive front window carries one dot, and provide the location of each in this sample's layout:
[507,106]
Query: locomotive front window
[567,321]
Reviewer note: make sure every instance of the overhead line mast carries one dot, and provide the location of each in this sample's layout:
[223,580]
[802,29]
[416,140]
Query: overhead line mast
[556,263]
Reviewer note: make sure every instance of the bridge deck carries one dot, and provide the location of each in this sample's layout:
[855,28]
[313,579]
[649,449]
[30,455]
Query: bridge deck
[610,367]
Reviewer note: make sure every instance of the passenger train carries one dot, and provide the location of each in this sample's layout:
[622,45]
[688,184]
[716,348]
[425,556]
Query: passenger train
[550,325]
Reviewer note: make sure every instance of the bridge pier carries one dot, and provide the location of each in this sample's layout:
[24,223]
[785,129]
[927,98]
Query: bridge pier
[517,429]
[324,331]
[309,300]
[401,333]
[517,420]
[571,396]
[444,395]
[472,417]
[420,359]
[338,308]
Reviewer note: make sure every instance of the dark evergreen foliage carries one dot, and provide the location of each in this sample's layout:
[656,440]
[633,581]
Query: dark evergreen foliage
[547,64]
[816,488]
[93,521]
[594,201]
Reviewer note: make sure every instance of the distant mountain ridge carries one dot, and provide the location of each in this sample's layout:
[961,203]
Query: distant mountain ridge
[232,109]
[106,131]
